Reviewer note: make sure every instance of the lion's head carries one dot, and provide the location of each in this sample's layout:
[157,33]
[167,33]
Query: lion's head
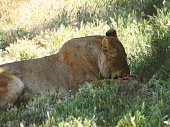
[113,58]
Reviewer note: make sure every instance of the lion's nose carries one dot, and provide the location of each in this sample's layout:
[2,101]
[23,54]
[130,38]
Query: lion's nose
[124,73]
[120,74]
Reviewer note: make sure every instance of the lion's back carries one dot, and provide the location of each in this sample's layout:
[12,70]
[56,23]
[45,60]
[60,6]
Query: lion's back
[82,41]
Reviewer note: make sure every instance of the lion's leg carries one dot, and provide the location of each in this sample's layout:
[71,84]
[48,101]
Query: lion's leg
[11,88]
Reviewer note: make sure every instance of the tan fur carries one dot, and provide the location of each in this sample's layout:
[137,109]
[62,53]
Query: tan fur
[10,88]
[80,60]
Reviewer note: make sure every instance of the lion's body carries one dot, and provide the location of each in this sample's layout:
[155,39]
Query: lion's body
[78,61]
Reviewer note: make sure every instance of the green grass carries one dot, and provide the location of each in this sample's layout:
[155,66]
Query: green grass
[108,105]
[35,28]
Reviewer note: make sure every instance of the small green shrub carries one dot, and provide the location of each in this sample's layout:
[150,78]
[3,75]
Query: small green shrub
[137,120]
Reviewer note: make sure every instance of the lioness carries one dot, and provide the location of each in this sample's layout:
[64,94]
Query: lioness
[80,60]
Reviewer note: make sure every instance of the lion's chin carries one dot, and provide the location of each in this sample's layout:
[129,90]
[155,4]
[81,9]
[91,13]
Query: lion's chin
[110,76]
[113,76]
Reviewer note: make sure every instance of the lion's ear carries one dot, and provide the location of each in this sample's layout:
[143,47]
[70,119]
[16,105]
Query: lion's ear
[108,48]
[106,44]
[111,32]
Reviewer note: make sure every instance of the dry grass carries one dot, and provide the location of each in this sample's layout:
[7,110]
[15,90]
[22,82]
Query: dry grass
[34,16]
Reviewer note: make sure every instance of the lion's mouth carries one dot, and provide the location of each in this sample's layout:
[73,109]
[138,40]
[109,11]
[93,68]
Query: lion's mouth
[110,76]
[114,75]
[118,75]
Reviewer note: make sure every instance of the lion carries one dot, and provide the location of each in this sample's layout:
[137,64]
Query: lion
[80,60]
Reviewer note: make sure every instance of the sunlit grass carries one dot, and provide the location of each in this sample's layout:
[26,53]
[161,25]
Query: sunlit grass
[30,17]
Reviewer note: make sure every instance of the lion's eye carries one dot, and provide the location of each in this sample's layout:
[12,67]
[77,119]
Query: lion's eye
[105,48]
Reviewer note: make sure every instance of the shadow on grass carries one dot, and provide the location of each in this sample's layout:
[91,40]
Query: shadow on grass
[159,59]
